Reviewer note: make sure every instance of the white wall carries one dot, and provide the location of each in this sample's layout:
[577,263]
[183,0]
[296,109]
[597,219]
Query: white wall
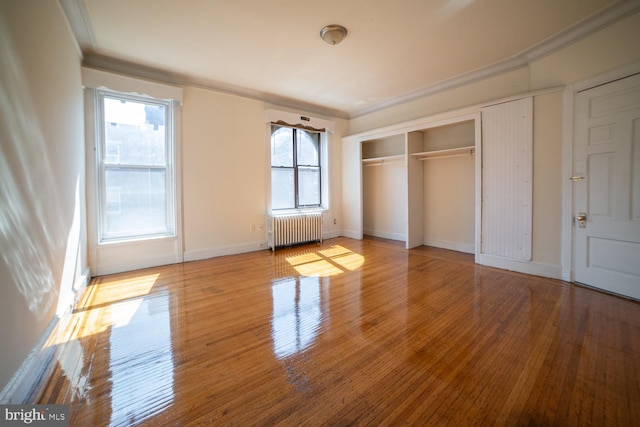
[449,189]
[42,192]
[609,49]
[351,190]
[507,84]
[225,153]
[547,179]
[449,203]
[224,170]
[384,200]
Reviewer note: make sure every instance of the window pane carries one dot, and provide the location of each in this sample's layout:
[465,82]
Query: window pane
[282,147]
[309,186]
[136,202]
[134,133]
[308,148]
[282,189]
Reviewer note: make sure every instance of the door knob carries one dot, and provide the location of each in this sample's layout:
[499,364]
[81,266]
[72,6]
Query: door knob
[581,219]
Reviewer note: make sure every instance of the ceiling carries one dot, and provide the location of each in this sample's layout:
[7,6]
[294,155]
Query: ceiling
[272,50]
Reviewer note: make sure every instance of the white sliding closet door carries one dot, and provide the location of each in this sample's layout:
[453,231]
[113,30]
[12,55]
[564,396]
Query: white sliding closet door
[507,176]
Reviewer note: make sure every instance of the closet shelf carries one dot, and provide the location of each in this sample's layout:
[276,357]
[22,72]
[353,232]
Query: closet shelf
[451,152]
[376,161]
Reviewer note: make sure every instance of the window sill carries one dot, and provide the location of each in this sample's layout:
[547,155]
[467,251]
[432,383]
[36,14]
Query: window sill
[135,240]
[297,211]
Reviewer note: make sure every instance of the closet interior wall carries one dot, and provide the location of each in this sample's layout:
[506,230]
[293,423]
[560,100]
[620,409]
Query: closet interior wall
[384,188]
[419,186]
[448,186]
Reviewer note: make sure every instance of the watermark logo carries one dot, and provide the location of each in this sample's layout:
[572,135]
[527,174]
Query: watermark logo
[34,415]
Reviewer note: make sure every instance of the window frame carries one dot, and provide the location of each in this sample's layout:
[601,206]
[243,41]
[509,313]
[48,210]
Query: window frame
[296,168]
[170,229]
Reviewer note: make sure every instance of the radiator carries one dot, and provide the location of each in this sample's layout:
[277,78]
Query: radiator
[293,229]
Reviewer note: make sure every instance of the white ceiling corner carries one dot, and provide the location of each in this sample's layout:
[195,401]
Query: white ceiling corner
[393,53]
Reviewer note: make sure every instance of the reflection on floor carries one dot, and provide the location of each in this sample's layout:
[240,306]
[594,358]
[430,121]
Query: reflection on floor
[345,333]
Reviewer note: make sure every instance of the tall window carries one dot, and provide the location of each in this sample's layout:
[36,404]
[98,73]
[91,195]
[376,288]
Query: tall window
[295,168]
[135,157]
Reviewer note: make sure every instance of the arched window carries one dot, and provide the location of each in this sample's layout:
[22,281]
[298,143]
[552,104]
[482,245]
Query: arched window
[296,180]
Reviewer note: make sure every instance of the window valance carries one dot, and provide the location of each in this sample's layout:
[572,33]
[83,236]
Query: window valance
[284,118]
[100,79]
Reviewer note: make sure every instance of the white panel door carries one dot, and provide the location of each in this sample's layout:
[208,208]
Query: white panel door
[607,187]
[507,164]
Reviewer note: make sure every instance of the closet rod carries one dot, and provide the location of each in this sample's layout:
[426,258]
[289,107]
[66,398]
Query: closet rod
[381,162]
[442,157]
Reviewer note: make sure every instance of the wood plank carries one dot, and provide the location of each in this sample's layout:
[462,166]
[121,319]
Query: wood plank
[378,335]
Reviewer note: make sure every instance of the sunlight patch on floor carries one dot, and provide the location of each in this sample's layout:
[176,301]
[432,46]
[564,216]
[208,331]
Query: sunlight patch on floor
[326,262]
[122,299]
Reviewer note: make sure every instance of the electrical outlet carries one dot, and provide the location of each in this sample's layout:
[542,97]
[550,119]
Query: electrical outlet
[335,221]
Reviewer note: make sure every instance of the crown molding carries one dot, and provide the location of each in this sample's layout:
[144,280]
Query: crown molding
[150,73]
[582,29]
[452,83]
[80,23]
[564,38]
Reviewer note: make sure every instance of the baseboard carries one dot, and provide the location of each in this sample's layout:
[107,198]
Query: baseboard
[82,282]
[104,269]
[240,249]
[65,307]
[78,290]
[527,267]
[331,235]
[194,255]
[468,248]
[351,234]
[385,235]
[32,371]
[35,367]
[224,250]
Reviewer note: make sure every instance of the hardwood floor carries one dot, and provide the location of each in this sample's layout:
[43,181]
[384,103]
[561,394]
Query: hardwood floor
[346,333]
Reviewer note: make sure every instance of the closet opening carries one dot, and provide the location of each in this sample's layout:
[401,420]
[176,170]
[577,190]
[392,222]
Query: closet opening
[421,186]
[442,187]
[384,185]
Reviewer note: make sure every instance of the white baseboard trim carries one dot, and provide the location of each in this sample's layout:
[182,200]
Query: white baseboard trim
[199,254]
[38,362]
[351,234]
[331,234]
[32,370]
[468,248]
[533,268]
[78,290]
[82,282]
[385,235]
[194,255]
[65,307]
[104,269]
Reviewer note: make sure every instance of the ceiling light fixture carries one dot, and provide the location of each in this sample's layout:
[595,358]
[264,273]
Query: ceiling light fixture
[333,34]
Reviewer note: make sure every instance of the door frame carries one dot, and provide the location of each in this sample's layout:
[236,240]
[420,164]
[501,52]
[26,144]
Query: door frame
[570,92]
